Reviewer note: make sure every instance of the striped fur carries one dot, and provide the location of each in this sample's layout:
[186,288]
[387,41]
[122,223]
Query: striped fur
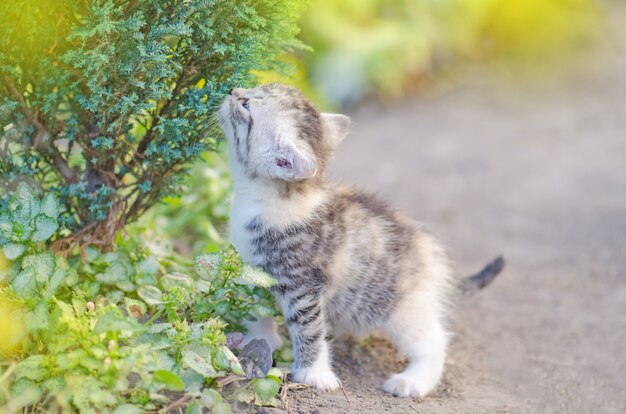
[345,262]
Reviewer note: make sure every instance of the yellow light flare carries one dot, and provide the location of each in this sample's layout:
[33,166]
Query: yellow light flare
[5,265]
[529,29]
[12,332]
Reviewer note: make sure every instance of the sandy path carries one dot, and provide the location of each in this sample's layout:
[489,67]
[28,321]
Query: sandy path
[540,177]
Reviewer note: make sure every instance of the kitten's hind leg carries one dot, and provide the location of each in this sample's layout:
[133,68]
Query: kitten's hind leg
[417,331]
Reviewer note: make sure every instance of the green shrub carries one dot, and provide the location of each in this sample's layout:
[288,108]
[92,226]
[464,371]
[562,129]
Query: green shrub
[196,220]
[105,102]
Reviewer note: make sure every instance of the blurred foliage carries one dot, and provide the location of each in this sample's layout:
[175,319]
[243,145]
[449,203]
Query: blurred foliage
[124,330]
[195,221]
[387,48]
[105,102]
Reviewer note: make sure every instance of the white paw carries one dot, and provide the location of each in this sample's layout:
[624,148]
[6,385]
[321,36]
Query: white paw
[322,379]
[402,385]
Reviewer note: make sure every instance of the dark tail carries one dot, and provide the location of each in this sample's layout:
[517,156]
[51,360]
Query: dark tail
[473,284]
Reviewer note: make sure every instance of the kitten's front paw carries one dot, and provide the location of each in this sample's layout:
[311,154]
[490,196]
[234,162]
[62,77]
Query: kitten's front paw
[402,385]
[322,379]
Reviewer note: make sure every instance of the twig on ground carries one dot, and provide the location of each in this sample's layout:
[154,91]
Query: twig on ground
[343,390]
[178,403]
[283,394]
[227,380]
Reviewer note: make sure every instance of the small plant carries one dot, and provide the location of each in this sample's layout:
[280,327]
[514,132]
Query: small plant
[25,225]
[128,331]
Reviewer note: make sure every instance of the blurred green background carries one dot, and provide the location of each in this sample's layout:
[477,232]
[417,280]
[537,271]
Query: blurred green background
[388,49]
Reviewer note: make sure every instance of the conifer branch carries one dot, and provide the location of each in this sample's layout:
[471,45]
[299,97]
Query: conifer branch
[50,150]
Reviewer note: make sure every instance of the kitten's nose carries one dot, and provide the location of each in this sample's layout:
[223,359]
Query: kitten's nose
[235,92]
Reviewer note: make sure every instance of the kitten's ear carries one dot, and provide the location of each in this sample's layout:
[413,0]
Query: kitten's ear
[291,164]
[336,127]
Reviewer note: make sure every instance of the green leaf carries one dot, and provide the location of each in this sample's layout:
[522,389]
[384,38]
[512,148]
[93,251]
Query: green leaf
[194,408]
[255,276]
[38,318]
[150,294]
[13,250]
[125,286]
[169,379]
[162,360]
[24,283]
[261,311]
[157,328]
[44,228]
[55,281]
[194,382]
[25,203]
[198,358]
[149,265]
[117,271]
[112,322]
[265,388]
[225,359]
[6,227]
[53,385]
[221,408]
[110,257]
[88,391]
[275,373]
[67,311]
[176,279]
[79,305]
[155,341]
[135,308]
[91,254]
[202,286]
[22,229]
[128,409]
[31,368]
[24,393]
[210,398]
[50,206]
[245,396]
[41,264]
[207,266]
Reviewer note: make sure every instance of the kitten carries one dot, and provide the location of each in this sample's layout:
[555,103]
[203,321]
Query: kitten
[345,262]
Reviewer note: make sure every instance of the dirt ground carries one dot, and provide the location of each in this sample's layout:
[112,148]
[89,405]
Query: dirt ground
[539,176]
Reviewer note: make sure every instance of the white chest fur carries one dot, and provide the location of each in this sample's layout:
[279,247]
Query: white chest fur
[265,203]
[244,210]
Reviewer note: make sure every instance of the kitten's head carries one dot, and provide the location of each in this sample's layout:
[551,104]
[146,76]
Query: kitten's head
[275,133]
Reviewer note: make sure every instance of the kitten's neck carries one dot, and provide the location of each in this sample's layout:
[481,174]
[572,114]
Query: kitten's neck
[278,204]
